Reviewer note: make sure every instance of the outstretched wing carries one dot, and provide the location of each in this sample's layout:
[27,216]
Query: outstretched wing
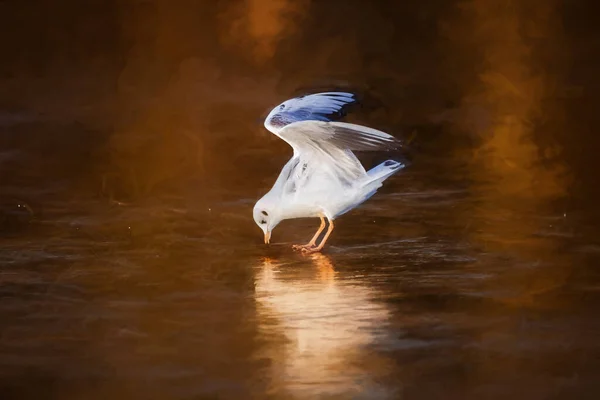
[321,144]
[326,106]
[330,145]
[314,135]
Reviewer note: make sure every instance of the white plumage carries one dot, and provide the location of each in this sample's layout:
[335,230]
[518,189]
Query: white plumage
[323,178]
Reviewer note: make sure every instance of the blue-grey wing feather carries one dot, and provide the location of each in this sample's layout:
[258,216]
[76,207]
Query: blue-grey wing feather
[327,106]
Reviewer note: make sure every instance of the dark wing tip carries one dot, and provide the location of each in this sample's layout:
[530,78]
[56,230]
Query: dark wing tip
[361,141]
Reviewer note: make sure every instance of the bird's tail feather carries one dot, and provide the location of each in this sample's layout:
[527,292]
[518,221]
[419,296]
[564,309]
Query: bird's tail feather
[373,181]
[383,171]
[378,174]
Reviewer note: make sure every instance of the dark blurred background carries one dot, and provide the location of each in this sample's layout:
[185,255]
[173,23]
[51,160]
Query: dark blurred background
[132,151]
[139,96]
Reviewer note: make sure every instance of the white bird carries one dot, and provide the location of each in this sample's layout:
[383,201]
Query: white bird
[323,178]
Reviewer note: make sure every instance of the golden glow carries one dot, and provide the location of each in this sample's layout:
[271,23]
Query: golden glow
[260,25]
[512,181]
[511,91]
[326,325]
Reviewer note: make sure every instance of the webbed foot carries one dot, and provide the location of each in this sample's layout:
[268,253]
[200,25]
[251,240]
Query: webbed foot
[303,247]
[313,249]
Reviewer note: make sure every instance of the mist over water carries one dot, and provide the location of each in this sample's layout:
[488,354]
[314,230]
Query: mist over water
[132,151]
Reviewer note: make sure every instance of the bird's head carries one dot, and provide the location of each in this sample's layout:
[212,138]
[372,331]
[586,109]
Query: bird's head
[266,216]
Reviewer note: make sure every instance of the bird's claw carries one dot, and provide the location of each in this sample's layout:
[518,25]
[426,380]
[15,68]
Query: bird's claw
[309,250]
[303,247]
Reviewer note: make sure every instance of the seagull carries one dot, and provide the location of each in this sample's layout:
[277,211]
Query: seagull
[323,178]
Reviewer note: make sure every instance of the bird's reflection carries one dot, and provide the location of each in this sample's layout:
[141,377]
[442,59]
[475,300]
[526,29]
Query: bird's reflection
[326,320]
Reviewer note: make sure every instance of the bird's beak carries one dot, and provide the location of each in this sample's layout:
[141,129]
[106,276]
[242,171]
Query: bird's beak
[267,237]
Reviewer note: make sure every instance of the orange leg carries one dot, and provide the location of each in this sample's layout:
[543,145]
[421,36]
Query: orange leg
[313,241]
[320,246]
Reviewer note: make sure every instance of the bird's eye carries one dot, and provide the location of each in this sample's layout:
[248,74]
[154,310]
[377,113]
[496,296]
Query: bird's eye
[262,222]
[264,213]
